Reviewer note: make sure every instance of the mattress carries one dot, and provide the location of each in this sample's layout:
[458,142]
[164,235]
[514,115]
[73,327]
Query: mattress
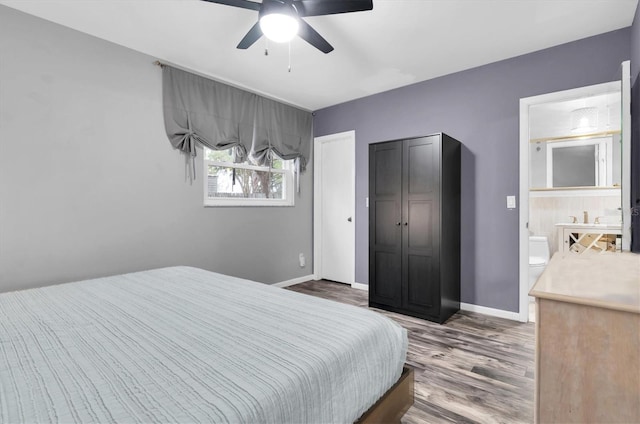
[185,345]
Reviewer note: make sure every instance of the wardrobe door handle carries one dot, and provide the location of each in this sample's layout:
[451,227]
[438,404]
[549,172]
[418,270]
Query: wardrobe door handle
[398,223]
[406,224]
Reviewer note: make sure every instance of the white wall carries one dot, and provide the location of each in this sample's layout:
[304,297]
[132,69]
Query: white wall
[89,184]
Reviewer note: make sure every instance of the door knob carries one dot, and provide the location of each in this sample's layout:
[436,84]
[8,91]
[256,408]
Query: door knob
[349,219]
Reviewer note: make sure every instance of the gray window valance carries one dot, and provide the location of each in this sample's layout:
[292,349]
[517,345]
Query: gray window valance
[218,116]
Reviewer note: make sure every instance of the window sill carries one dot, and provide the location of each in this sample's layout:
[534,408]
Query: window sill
[246,202]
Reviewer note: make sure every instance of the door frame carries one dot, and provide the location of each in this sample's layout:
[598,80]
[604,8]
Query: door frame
[525,103]
[349,138]
[625,128]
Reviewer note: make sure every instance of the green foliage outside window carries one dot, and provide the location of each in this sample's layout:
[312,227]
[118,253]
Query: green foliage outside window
[236,181]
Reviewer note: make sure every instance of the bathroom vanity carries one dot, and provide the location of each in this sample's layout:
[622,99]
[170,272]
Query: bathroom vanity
[588,339]
[580,238]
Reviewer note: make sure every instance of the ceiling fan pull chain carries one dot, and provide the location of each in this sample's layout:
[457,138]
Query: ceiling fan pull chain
[266,46]
[289,56]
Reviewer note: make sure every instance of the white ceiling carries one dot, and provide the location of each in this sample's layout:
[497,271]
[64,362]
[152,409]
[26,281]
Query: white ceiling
[398,43]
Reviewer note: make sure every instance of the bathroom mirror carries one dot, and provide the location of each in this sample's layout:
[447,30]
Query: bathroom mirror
[575,144]
[588,162]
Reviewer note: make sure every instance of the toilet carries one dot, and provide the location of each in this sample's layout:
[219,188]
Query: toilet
[538,257]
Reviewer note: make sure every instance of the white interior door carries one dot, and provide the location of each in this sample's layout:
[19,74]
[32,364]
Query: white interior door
[334,207]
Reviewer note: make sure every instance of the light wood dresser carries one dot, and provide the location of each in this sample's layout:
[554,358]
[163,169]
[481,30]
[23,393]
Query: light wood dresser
[588,339]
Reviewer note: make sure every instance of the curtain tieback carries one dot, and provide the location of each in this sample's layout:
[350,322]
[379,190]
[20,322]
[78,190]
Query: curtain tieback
[192,145]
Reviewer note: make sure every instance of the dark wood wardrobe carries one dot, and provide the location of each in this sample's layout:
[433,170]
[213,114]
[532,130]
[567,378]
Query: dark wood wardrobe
[414,226]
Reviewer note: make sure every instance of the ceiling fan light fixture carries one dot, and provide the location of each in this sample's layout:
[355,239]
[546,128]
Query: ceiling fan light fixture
[279,27]
[584,120]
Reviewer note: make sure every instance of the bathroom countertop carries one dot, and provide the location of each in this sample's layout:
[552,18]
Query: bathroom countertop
[608,280]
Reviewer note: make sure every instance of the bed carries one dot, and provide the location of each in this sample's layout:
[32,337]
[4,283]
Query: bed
[182,344]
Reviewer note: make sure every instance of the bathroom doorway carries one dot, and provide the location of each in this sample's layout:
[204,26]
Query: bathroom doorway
[574,163]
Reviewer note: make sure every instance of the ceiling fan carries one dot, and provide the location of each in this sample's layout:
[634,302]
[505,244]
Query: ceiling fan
[281,20]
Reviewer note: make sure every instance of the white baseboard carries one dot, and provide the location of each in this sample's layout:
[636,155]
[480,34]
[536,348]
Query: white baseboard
[360,286]
[294,281]
[514,316]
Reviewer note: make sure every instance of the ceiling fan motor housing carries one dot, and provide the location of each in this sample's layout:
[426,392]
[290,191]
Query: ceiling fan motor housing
[276,7]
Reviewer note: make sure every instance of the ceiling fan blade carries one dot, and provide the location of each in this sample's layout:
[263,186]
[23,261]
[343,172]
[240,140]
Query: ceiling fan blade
[312,37]
[244,4]
[331,7]
[252,36]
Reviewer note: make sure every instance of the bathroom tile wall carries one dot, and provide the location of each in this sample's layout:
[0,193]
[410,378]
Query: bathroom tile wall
[545,212]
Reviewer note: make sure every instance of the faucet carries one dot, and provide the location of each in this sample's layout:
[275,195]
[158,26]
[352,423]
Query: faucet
[586,217]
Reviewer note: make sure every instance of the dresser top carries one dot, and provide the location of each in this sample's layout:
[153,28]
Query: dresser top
[608,280]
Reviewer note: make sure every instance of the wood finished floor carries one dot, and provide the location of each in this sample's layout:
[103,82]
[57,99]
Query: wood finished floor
[473,369]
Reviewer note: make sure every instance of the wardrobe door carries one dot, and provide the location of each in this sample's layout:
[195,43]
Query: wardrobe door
[385,229]
[420,225]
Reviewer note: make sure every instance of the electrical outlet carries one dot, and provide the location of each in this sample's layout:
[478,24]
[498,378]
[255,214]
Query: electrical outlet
[511,202]
[302,260]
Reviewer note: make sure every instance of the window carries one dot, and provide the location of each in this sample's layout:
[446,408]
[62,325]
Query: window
[246,184]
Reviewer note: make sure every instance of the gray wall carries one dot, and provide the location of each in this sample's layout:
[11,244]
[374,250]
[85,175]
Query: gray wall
[479,107]
[89,185]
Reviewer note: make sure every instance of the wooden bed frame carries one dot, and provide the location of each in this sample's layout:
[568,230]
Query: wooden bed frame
[394,403]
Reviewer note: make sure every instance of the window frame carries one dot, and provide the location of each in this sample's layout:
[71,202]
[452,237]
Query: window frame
[287,181]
